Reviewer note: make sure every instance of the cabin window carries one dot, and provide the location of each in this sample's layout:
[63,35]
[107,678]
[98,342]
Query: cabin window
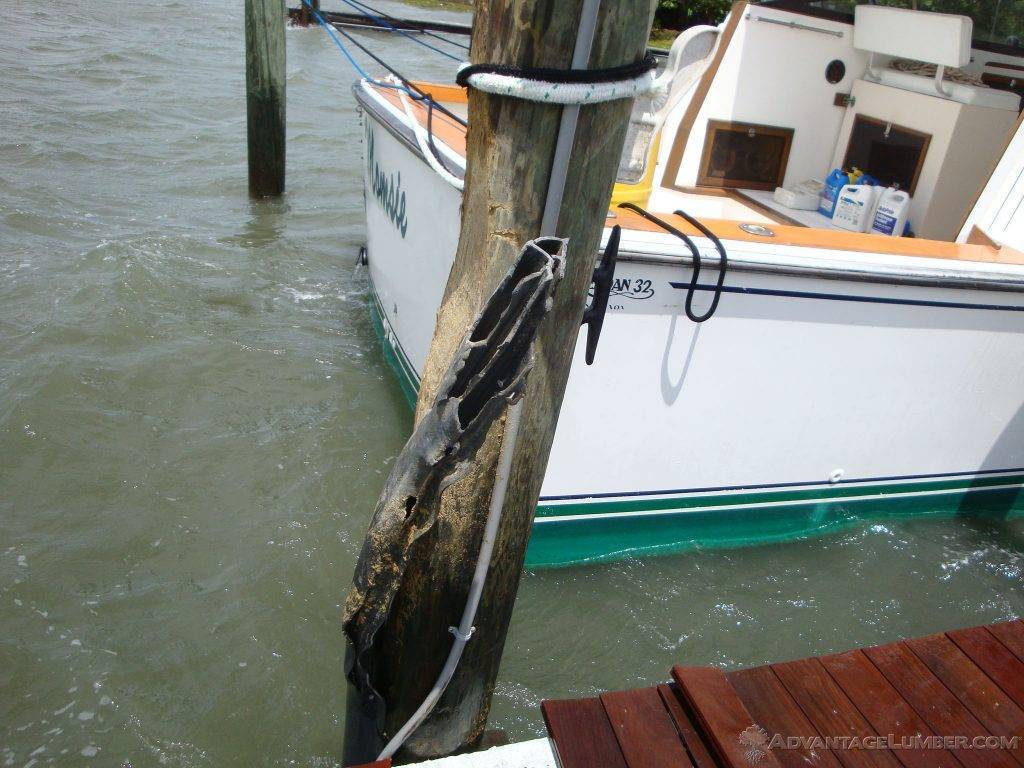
[744,155]
[891,153]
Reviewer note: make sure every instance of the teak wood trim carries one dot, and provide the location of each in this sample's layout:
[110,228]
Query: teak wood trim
[716,126]
[830,239]
[977,236]
[675,157]
[444,128]
[877,121]
[454,94]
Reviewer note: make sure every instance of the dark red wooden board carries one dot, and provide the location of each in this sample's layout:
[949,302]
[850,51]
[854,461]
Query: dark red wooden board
[884,708]
[774,710]
[699,750]
[720,714]
[972,686]
[1010,634]
[935,703]
[831,712]
[645,731]
[993,658]
[582,734]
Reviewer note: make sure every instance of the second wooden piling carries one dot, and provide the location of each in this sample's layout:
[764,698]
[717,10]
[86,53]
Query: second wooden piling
[265,95]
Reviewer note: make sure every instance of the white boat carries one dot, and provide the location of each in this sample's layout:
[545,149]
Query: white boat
[843,375]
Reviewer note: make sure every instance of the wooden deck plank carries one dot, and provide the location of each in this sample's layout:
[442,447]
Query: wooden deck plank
[720,714]
[1010,634]
[971,685]
[645,731]
[830,711]
[993,658]
[944,713]
[884,708]
[698,750]
[582,734]
[774,710]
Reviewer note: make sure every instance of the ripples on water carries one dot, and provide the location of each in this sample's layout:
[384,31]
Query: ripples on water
[195,420]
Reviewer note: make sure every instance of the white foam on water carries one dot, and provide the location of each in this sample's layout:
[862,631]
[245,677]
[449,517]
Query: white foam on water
[89,751]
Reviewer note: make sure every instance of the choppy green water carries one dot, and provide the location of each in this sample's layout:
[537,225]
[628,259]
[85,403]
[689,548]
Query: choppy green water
[195,419]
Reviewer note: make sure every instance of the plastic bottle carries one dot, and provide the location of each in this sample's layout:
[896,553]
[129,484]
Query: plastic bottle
[833,184]
[854,206]
[891,213]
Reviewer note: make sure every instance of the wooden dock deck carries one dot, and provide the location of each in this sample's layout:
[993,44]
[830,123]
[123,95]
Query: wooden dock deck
[951,700]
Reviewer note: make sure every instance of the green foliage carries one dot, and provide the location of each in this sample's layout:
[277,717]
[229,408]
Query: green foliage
[680,14]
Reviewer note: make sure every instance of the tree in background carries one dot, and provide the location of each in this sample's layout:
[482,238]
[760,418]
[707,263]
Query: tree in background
[680,14]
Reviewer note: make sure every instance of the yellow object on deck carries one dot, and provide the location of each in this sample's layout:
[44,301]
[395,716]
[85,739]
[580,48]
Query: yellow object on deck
[639,193]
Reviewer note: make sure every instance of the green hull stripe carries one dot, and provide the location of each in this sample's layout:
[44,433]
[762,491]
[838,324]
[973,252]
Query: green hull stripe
[559,542]
[742,519]
[830,493]
[407,377]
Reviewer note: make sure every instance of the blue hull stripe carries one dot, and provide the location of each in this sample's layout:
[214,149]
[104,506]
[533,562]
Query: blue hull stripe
[849,297]
[767,486]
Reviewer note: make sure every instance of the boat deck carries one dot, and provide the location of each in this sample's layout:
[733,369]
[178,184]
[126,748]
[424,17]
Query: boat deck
[731,206]
[930,702]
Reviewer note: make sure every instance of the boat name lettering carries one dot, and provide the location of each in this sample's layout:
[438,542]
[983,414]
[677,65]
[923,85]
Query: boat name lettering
[632,288]
[386,187]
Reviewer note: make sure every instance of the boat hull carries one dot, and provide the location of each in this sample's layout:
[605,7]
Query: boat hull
[808,402]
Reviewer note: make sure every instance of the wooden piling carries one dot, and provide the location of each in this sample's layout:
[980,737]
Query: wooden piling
[305,14]
[265,95]
[510,145]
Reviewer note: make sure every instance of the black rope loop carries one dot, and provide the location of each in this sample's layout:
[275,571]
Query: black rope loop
[575,76]
[695,252]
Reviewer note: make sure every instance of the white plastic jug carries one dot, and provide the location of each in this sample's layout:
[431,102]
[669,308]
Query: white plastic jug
[891,213]
[854,206]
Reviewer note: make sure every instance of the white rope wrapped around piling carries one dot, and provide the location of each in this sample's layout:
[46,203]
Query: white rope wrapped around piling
[550,92]
[568,87]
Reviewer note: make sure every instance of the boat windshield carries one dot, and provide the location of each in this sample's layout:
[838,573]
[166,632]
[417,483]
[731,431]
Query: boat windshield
[996,22]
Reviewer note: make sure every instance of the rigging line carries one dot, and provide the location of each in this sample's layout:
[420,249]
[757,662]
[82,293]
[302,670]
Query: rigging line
[402,32]
[419,29]
[403,87]
[416,93]
[411,88]
[695,252]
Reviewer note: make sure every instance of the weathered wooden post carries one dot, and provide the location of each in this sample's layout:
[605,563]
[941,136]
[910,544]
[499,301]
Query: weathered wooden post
[305,15]
[510,148]
[265,95]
